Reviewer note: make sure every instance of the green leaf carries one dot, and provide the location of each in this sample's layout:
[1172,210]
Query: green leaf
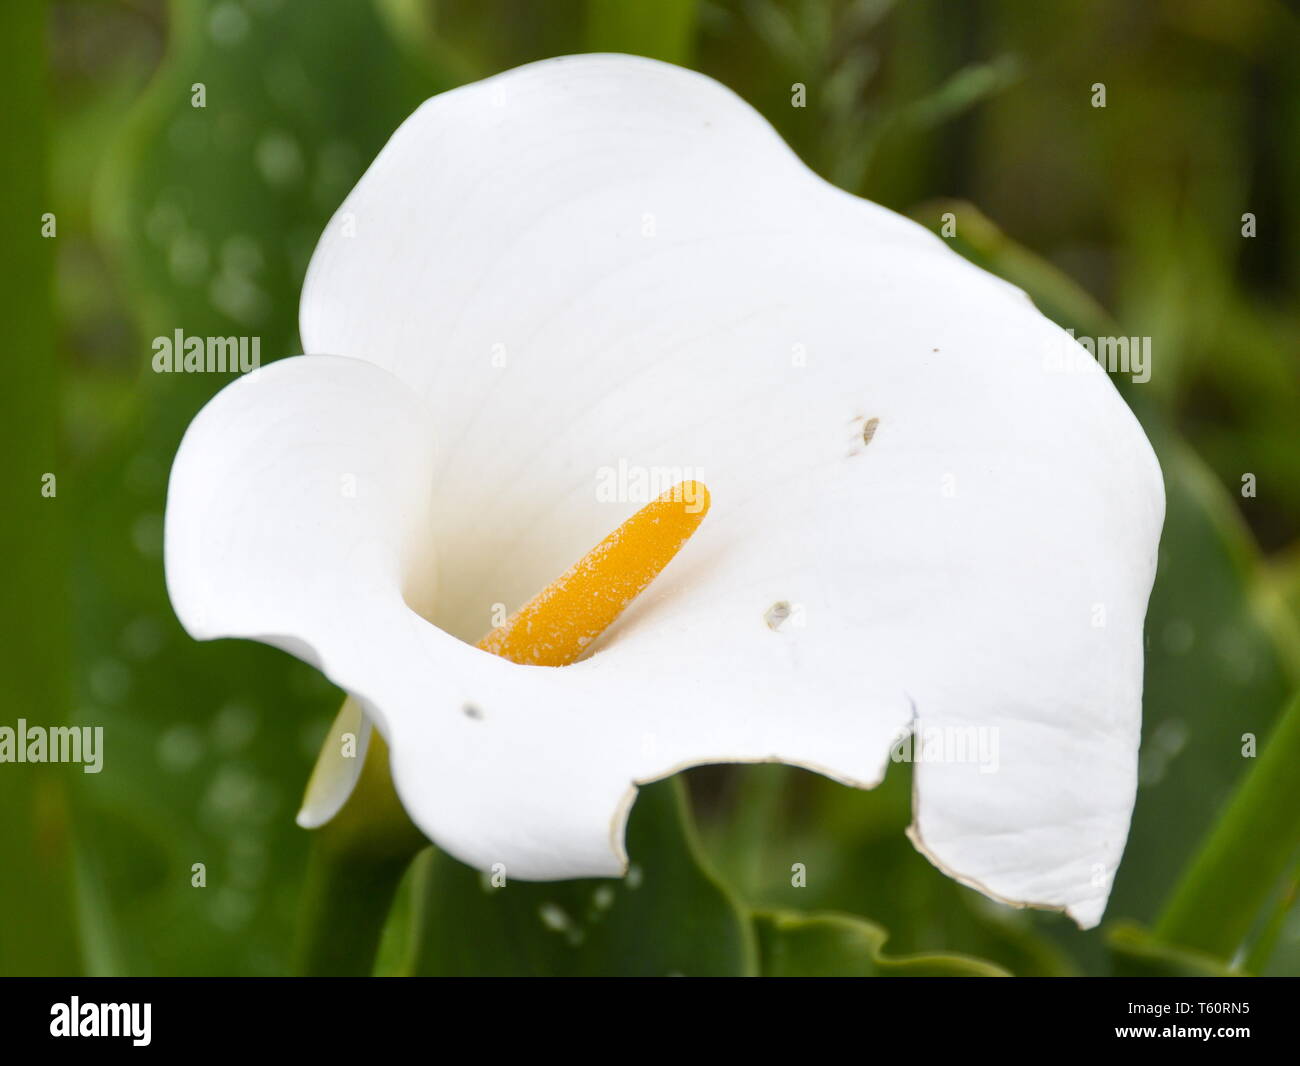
[1283,588]
[792,841]
[1254,841]
[966,88]
[840,945]
[1219,667]
[668,916]
[1266,956]
[1136,952]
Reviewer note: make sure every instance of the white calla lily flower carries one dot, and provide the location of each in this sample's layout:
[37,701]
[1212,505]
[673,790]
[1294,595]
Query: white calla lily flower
[596,267]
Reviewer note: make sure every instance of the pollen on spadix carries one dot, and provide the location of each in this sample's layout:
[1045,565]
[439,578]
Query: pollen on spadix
[560,623]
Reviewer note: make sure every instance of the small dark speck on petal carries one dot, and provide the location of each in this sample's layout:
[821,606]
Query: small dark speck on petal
[777,614]
[472,712]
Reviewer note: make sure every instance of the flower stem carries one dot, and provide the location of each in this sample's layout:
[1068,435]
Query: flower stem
[1267,940]
[357,861]
[1237,870]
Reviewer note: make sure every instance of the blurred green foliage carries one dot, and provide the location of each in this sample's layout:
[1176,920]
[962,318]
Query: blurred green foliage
[37,935]
[171,216]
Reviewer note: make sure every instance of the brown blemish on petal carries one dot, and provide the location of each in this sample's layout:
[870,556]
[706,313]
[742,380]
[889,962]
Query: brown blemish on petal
[869,430]
[776,615]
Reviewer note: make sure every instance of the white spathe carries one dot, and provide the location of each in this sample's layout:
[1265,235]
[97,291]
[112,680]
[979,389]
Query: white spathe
[603,259]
